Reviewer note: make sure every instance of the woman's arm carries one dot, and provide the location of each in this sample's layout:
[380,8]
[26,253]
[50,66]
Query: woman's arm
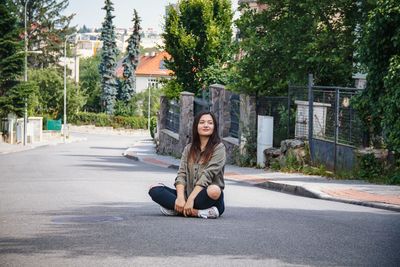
[188,209]
[180,199]
[180,182]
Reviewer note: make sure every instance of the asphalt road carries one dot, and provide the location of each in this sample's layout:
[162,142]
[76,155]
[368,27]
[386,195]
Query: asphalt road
[83,204]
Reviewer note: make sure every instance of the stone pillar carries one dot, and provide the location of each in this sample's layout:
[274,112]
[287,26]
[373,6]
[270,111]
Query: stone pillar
[162,114]
[185,119]
[217,106]
[247,116]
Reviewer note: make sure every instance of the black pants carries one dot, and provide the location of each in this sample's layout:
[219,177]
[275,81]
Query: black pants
[165,196]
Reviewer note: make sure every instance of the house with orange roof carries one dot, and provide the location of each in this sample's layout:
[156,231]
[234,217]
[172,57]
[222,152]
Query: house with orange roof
[150,71]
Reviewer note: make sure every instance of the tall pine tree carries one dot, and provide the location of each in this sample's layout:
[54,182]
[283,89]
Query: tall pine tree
[131,61]
[11,63]
[108,60]
[47,28]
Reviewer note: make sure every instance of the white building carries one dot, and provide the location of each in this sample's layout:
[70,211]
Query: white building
[150,71]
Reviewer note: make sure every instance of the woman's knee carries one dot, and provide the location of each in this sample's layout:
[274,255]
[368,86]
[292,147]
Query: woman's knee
[214,191]
[155,189]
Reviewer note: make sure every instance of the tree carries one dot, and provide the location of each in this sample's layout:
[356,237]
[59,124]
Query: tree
[50,92]
[11,58]
[46,28]
[90,82]
[197,35]
[108,61]
[378,105]
[282,44]
[11,47]
[131,61]
[84,29]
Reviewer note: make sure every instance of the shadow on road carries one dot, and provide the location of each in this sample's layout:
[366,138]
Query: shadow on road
[131,230]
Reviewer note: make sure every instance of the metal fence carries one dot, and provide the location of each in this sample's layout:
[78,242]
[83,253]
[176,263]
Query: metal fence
[341,124]
[334,130]
[202,103]
[279,108]
[173,114]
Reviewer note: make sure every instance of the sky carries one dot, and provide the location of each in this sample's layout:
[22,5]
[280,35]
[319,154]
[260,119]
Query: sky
[91,14]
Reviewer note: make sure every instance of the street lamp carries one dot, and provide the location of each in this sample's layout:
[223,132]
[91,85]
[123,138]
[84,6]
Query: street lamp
[65,84]
[25,70]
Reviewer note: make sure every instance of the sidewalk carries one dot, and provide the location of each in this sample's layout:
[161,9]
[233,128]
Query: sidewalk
[347,191]
[6,148]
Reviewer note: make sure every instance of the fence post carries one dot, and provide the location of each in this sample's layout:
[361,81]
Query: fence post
[217,106]
[337,104]
[185,119]
[310,116]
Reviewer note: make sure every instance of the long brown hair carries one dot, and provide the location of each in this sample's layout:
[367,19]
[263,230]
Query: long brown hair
[213,141]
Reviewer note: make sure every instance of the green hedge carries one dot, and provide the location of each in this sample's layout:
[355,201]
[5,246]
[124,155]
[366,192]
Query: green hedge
[104,120]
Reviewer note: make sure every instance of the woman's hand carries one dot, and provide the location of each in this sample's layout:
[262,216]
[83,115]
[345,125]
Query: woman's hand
[188,208]
[180,204]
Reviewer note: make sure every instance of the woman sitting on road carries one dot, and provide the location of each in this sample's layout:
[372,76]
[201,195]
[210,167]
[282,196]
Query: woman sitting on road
[200,180]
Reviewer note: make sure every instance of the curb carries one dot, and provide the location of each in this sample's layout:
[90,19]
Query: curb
[304,192]
[136,158]
[294,190]
[288,188]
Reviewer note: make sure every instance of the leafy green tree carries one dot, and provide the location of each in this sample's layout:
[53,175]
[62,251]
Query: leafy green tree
[197,35]
[131,61]
[109,84]
[378,105]
[290,39]
[50,93]
[47,27]
[90,82]
[391,102]
[15,98]
[143,100]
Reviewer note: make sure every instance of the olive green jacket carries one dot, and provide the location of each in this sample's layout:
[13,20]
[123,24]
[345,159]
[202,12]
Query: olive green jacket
[212,172]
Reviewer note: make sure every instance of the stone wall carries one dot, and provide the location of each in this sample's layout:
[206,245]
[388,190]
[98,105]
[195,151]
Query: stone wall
[170,143]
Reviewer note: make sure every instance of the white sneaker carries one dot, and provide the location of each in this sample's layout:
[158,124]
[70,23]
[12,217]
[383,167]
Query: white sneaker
[211,213]
[168,212]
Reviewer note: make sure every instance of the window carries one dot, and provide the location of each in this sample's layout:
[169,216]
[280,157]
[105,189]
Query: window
[152,82]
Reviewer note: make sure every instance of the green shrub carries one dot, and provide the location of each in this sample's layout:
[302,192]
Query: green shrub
[369,168]
[104,120]
[248,157]
[153,126]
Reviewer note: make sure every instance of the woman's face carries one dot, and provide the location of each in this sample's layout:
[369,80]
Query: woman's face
[206,125]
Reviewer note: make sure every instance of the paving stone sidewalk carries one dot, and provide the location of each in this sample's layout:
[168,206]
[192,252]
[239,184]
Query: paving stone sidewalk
[348,191]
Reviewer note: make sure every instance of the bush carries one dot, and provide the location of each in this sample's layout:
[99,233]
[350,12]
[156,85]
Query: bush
[376,171]
[247,157]
[104,120]
[153,126]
